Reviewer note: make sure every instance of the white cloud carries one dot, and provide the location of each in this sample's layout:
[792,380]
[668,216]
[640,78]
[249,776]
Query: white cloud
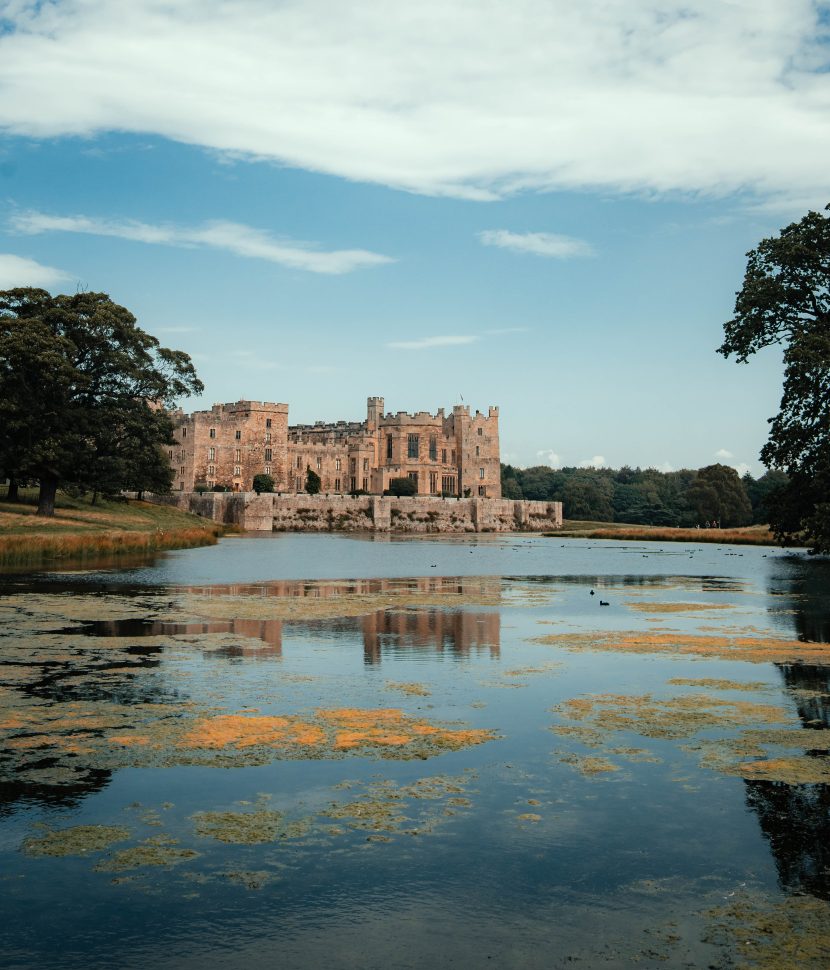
[425,343]
[232,237]
[723,453]
[549,457]
[598,461]
[19,271]
[741,468]
[539,243]
[445,97]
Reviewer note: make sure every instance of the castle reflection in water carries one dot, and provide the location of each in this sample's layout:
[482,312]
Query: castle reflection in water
[393,628]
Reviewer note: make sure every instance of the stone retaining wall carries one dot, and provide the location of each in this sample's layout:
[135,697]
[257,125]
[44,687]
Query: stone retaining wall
[366,513]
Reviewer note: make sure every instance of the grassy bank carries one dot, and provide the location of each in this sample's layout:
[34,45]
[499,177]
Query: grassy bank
[81,531]
[751,535]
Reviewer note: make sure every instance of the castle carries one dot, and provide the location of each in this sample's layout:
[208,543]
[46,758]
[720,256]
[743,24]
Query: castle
[451,455]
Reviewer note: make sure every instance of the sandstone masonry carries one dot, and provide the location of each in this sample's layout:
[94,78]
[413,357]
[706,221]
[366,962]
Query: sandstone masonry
[367,513]
[454,454]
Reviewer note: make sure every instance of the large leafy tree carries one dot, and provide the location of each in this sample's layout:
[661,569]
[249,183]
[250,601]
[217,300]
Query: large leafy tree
[83,392]
[785,299]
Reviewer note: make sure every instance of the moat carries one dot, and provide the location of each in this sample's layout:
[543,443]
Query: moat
[304,750]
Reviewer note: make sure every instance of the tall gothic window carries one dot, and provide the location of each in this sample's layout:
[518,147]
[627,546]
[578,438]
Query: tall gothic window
[412,446]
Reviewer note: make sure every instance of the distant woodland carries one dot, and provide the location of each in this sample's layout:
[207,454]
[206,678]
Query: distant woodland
[687,497]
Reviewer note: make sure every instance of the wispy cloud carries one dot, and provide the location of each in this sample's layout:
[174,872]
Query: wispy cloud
[548,244]
[447,340]
[723,453]
[676,95]
[549,457]
[598,461]
[232,237]
[19,271]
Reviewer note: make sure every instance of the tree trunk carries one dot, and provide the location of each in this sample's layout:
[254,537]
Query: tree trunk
[46,499]
[94,497]
[12,495]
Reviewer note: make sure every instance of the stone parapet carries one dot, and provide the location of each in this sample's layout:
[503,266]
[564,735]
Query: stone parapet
[367,513]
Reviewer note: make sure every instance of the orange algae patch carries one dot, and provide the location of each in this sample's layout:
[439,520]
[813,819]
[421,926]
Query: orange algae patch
[242,731]
[391,727]
[129,740]
[752,649]
[678,607]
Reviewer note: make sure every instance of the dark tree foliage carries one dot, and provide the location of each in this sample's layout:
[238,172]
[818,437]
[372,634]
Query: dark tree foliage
[263,483]
[719,494]
[762,493]
[312,481]
[785,299]
[82,394]
[641,496]
[402,486]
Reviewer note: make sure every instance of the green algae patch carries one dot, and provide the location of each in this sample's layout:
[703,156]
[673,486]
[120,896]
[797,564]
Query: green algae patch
[248,828]
[677,607]
[715,683]
[410,689]
[589,765]
[789,935]
[736,645]
[386,807]
[77,840]
[751,734]
[157,851]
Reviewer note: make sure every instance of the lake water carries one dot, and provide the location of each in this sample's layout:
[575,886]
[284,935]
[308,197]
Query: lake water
[358,752]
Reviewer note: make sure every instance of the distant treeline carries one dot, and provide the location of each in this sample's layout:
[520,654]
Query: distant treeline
[646,496]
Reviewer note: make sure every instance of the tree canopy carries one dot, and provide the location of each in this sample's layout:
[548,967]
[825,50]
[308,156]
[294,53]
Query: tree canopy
[785,300]
[83,392]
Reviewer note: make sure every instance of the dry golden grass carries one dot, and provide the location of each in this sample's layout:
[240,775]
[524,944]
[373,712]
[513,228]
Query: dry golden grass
[755,535]
[81,531]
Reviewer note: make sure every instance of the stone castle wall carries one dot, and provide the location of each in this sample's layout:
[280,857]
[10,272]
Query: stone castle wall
[367,513]
[455,454]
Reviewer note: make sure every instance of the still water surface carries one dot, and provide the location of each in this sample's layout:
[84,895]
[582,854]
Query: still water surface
[312,750]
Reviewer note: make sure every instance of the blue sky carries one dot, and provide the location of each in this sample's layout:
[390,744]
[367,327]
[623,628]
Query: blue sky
[537,204]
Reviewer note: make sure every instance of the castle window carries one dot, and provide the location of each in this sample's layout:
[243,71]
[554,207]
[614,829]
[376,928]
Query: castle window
[365,464]
[267,422]
[443,456]
[480,432]
[211,454]
[481,473]
[433,482]
[171,455]
[213,432]
[267,469]
[267,454]
[433,448]
[353,468]
[184,432]
[412,446]
[453,456]
[319,464]
[267,437]
[365,484]
[238,455]
[354,484]
[478,451]
[337,484]
[389,448]
[210,483]
[299,461]
[337,465]
[237,470]
[181,470]
[413,476]
[482,490]
[211,469]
